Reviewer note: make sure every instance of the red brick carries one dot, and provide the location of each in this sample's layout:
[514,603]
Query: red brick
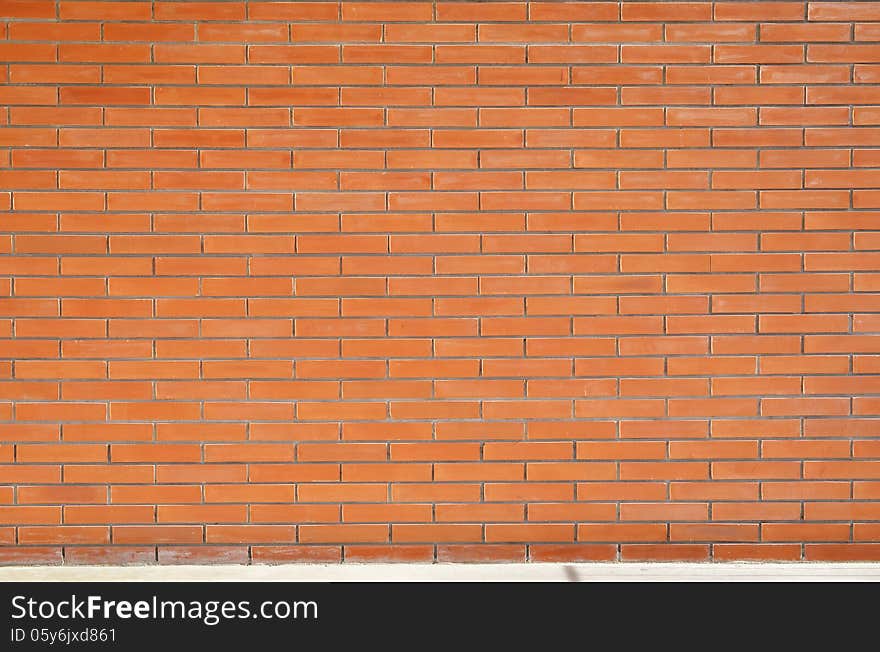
[495,257]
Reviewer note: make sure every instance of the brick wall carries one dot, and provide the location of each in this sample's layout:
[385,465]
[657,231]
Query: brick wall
[439,281]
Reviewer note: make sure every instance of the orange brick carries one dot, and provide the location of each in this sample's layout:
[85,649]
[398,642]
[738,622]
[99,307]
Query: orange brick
[454,281]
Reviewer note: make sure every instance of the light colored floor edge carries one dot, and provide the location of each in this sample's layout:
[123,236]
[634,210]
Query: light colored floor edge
[544,572]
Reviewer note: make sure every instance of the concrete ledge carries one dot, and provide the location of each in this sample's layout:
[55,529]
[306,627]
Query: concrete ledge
[621,572]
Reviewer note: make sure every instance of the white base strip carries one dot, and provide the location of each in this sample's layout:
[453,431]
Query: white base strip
[534,572]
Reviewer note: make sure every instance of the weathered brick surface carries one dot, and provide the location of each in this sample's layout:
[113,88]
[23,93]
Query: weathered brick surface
[456,281]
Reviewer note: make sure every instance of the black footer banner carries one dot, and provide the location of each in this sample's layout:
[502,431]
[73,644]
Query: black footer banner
[415,616]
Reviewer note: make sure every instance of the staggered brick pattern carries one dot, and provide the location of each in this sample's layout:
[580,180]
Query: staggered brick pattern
[439,281]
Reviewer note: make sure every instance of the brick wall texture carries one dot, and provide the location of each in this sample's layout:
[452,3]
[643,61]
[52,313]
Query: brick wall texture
[503,281]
